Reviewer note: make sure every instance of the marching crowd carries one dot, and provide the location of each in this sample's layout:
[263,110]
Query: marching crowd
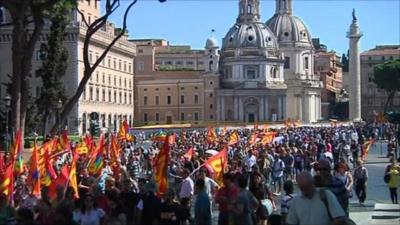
[258,184]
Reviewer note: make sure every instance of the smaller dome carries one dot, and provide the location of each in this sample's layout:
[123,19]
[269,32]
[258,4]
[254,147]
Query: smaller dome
[211,42]
[289,28]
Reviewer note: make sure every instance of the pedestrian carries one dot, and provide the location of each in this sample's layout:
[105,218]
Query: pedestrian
[202,209]
[246,204]
[226,198]
[308,208]
[277,167]
[342,172]
[334,184]
[394,171]
[360,180]
[170,211]
[89,213]
[286,200]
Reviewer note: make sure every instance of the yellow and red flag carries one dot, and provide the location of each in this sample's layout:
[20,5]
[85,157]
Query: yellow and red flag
[233,138]
[17,154]
[114,155]
[96,161]
[82,148]
[60,181]
[123,133]
[189,154]
[73,182]
[217,164]
[62,143]
[366,146]
[268,138]
[7,182]
[211,135]
[34,172]
[223,131]
[253,138]
[161,168]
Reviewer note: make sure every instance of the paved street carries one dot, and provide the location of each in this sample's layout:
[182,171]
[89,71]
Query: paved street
[377,192]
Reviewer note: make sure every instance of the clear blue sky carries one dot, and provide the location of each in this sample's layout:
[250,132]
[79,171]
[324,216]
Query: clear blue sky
[190,21]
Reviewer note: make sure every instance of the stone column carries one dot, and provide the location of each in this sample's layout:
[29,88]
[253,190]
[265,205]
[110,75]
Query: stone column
[218,108]
[241,116]
[279,107]
[354,36]
[261,108]
[223,108]
[284,110]
[236,107]
[266,109]
[299,102]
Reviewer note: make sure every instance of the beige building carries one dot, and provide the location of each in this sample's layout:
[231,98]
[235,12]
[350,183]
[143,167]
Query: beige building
[373,99]
[108,97]
[327,66]
[172,85]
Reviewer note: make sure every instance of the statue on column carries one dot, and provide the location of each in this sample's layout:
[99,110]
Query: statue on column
[354,15]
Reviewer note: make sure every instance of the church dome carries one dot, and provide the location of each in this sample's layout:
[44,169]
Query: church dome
[289,28]
[211,43]
[249,35]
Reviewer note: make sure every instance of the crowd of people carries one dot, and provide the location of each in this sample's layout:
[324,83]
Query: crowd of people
[258,186]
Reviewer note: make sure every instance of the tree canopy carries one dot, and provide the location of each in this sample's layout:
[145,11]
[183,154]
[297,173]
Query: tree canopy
[387,77]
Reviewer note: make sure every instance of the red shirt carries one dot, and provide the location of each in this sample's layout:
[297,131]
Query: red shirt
[230,194]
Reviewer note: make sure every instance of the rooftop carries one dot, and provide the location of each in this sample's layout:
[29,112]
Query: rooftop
[381,50]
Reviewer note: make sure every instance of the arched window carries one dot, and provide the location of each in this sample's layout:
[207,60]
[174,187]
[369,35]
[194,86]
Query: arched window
[274,72]
[249,9]
[210,65]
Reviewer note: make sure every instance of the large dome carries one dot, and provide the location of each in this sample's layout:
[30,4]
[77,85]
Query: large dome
[249,35]
[289,28]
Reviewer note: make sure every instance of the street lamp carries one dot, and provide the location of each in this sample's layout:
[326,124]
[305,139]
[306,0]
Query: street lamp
[59,106]
[7,100]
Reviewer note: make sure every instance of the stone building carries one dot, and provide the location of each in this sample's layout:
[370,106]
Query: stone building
[327,65]
[373,99]
[172,83]
[108,97]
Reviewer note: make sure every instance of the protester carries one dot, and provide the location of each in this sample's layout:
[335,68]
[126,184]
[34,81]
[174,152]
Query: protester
[360,180]
[88,213]
[394,171]
[202,209]
[246,204]
[226,198]
[170,210]
[309,209]
[288,187]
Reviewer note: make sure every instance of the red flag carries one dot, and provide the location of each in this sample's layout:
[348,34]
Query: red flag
[161,168]
[189,154]
[253,138]
[7,182]
[34,172]
[61,180]
[217,164]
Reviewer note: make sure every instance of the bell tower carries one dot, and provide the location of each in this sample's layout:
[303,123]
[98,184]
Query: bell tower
[249,11]
[283,7]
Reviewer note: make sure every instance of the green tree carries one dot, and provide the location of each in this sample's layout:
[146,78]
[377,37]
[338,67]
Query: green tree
[387,77]
[55,63]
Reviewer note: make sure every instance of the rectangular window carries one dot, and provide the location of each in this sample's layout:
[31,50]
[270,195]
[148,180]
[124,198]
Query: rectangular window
[287,63]
[120,98]
[196,99]
[145,117]
[130,98]
[90,57]
[115,97]
[145,100]
[211,106]
[157,117]
[109,62]
[104,96]
[97,94]
[182,116]
[306,62]
[140,66]
[119,65]
[90,93]
[109,96]
[182,99]
[157,100]
[169,100]
[115,63]
[189,63]
[196,116]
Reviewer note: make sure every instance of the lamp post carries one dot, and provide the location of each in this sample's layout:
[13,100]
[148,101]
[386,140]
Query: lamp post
[7,100]
[59,106]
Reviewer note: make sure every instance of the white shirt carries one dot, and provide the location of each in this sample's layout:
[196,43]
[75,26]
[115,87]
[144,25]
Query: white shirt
[210,185]
[278,166]
[250,161]
[187,188]
[315,213]
[91,218]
